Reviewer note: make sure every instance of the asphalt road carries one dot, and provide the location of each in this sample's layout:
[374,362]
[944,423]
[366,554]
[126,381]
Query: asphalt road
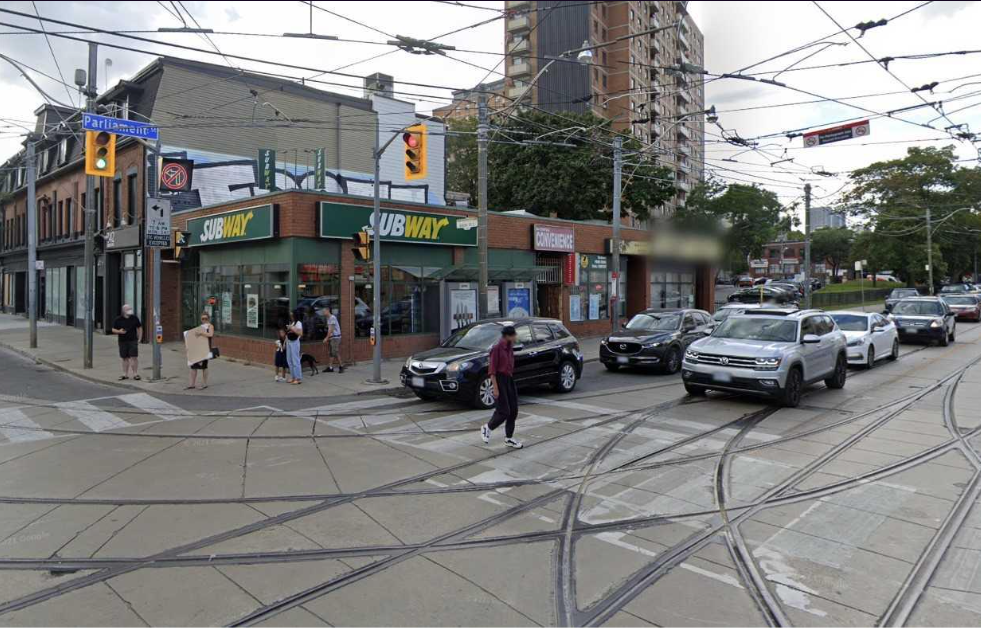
[631,504]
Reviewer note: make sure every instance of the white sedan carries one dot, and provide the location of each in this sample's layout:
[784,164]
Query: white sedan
[870,336]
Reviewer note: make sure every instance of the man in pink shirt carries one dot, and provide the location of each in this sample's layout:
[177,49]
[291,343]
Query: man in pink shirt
[501,372]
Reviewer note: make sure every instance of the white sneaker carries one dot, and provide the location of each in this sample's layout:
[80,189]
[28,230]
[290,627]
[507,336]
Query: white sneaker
[513,443]
[485,434]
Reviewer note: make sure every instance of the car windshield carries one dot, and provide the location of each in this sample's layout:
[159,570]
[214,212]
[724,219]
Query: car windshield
[961,300]
[655,322]
[851,322]
[898,293]
[917,308]
[746,328]
[725,313]
[957,288]
[478,337]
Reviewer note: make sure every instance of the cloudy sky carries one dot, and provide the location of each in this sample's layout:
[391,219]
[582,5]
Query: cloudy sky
[737,34]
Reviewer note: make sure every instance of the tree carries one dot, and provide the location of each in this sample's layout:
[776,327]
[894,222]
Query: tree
[569,174]
[832,246]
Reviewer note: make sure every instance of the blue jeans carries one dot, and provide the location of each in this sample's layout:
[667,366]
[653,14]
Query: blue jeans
[293,359]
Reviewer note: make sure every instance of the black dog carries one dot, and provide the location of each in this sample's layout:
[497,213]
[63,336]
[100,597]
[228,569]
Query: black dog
[308,360]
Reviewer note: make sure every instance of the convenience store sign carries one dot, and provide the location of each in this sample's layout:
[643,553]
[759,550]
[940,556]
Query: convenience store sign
[340,220]
[251,223]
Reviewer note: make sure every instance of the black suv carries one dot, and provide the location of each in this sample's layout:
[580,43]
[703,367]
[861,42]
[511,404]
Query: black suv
[544,353]
[655,338]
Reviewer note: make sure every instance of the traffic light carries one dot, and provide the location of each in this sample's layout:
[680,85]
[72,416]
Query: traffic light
[362,246]
[181,240]
[414,139]
[100,153]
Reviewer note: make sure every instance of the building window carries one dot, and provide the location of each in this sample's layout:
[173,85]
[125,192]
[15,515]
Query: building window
[318,287]
[673,288]
[132,271]
[409,301]
[248,300]
[60,224]
[69,218]
[117,202]
[62,151]
[131,199]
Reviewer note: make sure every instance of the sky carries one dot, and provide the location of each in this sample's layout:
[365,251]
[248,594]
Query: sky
[737,35]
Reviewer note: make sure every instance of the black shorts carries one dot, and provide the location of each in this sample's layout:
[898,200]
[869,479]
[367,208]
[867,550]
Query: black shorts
[129,349]
[281,362]
[200,366]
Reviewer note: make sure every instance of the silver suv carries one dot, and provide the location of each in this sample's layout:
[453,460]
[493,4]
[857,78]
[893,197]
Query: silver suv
[770,352]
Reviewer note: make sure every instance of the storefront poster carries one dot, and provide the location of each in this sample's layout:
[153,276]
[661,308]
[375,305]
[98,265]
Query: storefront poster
[493,300]
[463,308]
[575,307]
[519,302]
[594,305]
[226,308]
[250,223]
[340,220]
[252,311]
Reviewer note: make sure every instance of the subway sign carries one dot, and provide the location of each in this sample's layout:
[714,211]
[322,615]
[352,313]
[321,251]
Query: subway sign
[250,223]
[340,220]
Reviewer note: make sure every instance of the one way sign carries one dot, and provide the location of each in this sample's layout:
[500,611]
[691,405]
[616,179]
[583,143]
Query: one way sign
[157,223]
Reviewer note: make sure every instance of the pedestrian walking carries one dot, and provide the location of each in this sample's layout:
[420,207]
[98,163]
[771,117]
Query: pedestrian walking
[501,372]
[207,330]
[282,366]
[129,331]
[333,342]
[294,332]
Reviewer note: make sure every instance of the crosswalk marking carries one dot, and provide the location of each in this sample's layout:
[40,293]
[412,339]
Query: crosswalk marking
[92,417]
[154,406]
[19,428]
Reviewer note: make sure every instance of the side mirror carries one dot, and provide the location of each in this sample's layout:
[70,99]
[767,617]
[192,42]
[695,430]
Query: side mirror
[517,347]
[810,339]
[623,325]
[688,329]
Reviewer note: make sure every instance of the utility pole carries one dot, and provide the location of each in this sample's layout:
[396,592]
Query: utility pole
[929,230]
[617,168]
[376,370]
[152,181]
[483,306]
[807,245]
[32,239]
[89,298]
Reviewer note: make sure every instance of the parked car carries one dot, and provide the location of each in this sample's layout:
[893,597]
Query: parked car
[769,352]
[899,294]
[789,285]
[545,353]
[729,309]
[763,294]
[744,281]
[759,281]
[957,288]
[655,338]
[966,307]
[870,337]
[924,318]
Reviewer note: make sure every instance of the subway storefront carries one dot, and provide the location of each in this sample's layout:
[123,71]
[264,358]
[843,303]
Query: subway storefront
[252,262]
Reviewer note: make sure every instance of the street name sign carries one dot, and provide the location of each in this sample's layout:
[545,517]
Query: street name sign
[118,126]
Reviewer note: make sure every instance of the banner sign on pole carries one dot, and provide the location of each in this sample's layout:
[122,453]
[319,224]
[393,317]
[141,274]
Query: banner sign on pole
[267,169]
[836,133]
[319,169]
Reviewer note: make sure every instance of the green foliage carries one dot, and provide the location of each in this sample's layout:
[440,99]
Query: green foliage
[573,182]
[834,246]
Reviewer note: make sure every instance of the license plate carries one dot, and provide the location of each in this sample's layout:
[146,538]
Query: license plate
[418,382]
[912,330]
[722,377]
[623,360]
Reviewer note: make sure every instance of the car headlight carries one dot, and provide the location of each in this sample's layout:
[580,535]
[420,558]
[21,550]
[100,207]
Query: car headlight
[767,364]
[408,362]
[691,355]
[456,367]
[937,322]
[603,342]
[858,342]
[652,345]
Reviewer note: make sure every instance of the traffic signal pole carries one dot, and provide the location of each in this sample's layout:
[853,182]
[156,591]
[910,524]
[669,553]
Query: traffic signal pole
[151,187]
[32,239]
[807,245]
[90,210]
[617,168]
[482,280]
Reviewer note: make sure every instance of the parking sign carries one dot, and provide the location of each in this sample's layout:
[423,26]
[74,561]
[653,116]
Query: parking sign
[158,223]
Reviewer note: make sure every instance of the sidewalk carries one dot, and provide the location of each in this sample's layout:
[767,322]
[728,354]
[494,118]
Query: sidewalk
[61,347]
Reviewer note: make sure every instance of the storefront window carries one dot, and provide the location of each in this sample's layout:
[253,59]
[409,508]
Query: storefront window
[409,301]
[318,287]
[593,291]
[133,281]
[673,288]
[247,300]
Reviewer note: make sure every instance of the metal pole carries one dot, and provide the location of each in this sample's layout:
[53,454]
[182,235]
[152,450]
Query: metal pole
[157,266]
[617,168]
[929,230]
[31,239]
[89,299]
[807,245]
[376,377]
[483,307]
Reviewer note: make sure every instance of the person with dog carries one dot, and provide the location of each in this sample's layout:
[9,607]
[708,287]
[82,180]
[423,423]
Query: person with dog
[501,372]
[208,330]
[294,333]
[333,342]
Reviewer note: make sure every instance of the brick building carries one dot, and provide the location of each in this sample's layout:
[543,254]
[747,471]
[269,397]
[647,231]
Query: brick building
[253,261]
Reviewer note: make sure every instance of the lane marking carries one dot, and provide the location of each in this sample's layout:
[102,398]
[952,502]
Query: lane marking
[20,428]
[94,418]
[154,406]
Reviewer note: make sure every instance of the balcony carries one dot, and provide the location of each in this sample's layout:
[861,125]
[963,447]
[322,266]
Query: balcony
[682,184]
[685,44]
[521,45]
[517,4]
[683,97]
[516,91]
[684,133]
[520,23]
[685,150]
[520,69]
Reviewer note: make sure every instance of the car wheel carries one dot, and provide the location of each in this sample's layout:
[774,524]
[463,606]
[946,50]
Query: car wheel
[837,379]
[894,355]
[672,363]
[567,378]
[694,391]
[484,398]
[953,329]
[945,340]
[870,359]
[611,367]
[792,389]
[425,396]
